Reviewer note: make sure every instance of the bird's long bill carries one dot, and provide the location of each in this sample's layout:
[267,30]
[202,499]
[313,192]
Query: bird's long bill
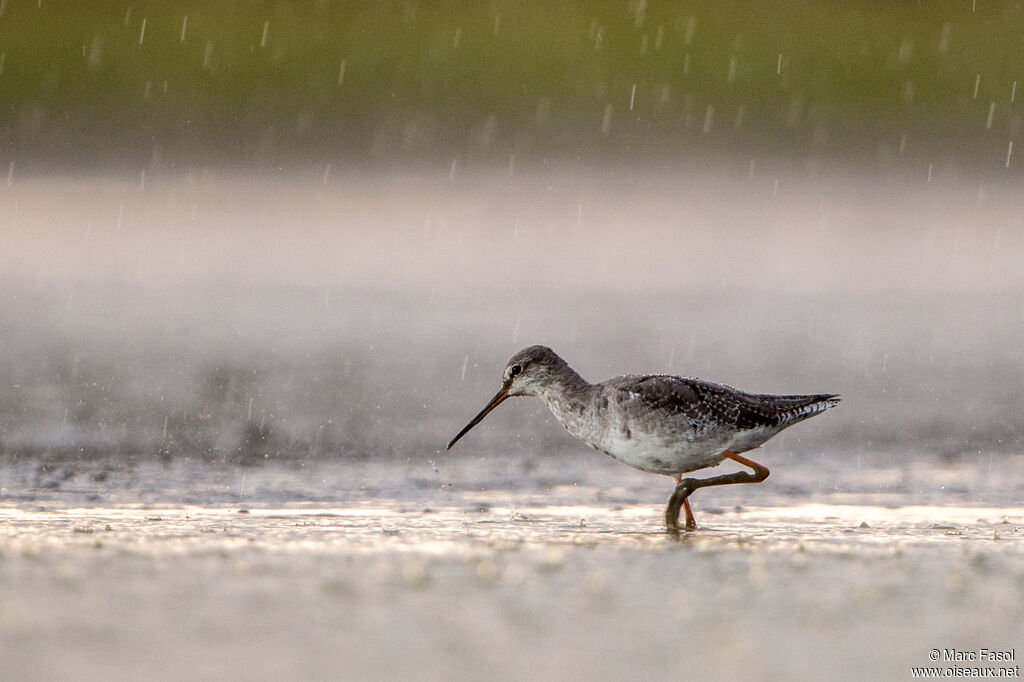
[498,398]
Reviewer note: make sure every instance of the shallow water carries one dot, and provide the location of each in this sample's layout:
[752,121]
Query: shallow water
[372,590]
[462,568]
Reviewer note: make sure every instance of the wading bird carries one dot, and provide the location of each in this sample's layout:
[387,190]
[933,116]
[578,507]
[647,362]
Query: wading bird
[657,423]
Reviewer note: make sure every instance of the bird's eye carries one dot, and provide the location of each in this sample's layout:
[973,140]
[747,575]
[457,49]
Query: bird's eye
[516,369]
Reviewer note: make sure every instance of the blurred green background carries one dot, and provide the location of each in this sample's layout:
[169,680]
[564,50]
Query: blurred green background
[176,85]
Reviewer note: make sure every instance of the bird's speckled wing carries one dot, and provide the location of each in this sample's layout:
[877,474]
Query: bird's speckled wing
[710,406]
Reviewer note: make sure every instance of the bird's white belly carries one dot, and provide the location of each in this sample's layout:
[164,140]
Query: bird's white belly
[658,455]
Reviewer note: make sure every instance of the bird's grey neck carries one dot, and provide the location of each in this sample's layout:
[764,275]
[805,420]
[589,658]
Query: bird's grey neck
[568,396]
[565,382]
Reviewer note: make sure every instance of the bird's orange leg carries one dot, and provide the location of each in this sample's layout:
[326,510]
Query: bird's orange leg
[685,486]
[691,523]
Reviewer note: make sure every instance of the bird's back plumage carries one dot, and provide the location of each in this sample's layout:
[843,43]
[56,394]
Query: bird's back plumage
[705,404]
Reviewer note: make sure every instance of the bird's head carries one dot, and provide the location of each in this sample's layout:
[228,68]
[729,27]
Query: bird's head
[526,373]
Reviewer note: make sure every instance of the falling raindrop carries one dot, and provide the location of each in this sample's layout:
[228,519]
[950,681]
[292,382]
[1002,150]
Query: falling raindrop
[709,117]
[732,69]
[947,30]
[903,143]
[263,38]
[991,114]
[452,168]
[207,54]
[778,65]
[184,27]
[930,166]
[457,40]
[632,97]
[465,363]
[142,31]
[691,27]
[341,73]
[641,10]
[1009,153]
[977,82]
[606,121]
[1013,90]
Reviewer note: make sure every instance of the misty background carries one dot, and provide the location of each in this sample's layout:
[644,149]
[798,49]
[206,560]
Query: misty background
[307,236]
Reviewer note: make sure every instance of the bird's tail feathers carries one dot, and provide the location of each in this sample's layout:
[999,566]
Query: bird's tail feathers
[795,408]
